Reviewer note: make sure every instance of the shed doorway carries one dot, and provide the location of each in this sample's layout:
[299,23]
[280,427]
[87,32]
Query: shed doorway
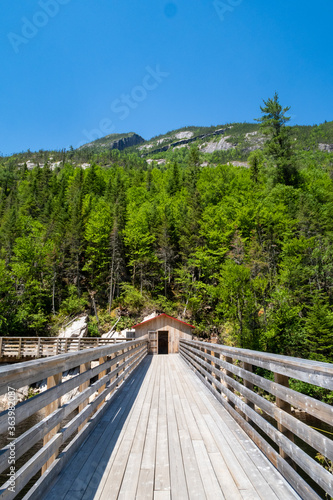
[163,342]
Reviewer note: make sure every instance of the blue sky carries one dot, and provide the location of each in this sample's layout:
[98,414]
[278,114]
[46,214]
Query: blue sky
[73,70]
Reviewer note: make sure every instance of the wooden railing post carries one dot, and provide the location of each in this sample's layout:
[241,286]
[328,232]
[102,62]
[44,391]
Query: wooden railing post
[217,355]
[248,367]
[38,349]
[229,374]
[280,403]
[0,347]
[51,382]
[19,348]
[101,375]
[83,368]
[66,345]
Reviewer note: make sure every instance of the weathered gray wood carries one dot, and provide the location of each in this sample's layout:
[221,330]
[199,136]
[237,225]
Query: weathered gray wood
[30,406]
[112,484]
[312,372]
[216,437]
[312,468]
[84,368]
[288,472]
[32,347]
[320,410]
[51,382]
[30,372]
[162,469]
[33,435]
[312,437]
[102,435]
[45,482]
[115,473]
[248,385]
[52,444]
[177,472]
[283,405]
[131,475]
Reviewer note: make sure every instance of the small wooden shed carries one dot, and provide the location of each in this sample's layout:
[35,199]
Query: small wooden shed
[163,333]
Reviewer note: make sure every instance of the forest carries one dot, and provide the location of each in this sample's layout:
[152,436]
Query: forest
[242,253]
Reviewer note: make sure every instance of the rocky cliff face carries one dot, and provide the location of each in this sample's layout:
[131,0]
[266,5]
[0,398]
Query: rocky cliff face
[115,141]
[127,142]
[325,147]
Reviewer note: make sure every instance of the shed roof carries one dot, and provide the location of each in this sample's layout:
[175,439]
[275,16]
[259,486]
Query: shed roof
[167,316]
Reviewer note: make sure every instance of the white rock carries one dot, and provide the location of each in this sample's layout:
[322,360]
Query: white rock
[20,395]
[221,145]
[77,328]
[184,135]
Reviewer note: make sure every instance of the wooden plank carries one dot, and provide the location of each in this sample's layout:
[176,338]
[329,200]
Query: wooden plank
[313,372]
[51,382]
[84,368]
[131,476]
[312,406]
[101,361]
[219,434]
[208,477]
[112,479]
[30,372]
[227,484]
[162,495]
[315,439]
[287,471]
[192,474]
[283,405]
[42,486]
[145,490]
[32,405]
[162,468]
[25,473]
[42,428]
[100,439]
[177,472]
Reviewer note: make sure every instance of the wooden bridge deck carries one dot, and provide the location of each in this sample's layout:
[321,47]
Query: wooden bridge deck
[165,436]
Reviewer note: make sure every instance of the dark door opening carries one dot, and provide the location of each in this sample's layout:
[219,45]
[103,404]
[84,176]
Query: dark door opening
[163,342]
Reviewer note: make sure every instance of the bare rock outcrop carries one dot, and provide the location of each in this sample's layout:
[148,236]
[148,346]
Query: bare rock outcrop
[75,329]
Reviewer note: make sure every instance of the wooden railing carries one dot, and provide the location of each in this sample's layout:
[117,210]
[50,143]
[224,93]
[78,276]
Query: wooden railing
[230,375]
[39,347]
[94,388]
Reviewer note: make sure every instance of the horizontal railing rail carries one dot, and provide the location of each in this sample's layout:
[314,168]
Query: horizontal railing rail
[69,420]
[39,347]
[229,373]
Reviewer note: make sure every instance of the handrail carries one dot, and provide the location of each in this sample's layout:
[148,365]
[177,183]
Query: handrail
[94,386]
[229,373]
[39,347]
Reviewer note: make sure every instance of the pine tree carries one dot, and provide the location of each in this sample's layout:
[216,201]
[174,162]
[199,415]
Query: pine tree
[278,145]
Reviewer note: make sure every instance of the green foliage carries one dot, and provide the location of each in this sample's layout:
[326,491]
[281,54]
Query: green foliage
[73,304]
[131,298]
[246,253]
[256,159]
[92,328]
[278,146]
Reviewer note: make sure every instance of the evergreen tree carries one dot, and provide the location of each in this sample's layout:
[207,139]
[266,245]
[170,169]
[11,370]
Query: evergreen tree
[278,145]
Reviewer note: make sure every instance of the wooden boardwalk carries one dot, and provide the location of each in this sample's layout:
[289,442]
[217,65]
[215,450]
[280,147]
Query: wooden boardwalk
[163,437]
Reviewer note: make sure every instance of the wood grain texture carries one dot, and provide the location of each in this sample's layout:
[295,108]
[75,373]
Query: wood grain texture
[235,395]
[169,442]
